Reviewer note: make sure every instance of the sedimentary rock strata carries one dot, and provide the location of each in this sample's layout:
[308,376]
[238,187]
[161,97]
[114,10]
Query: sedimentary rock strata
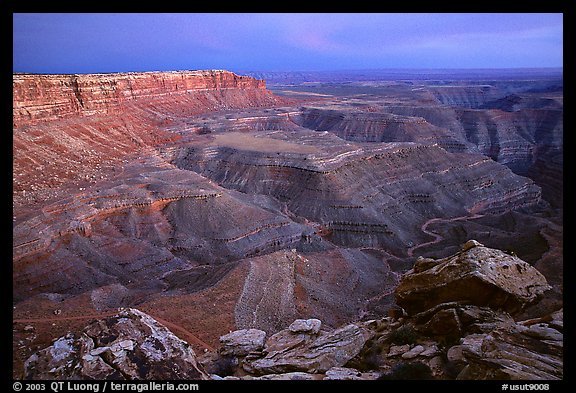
[79,129]
[460,339]
[216,205]
[140,231]
[367,195]
[53,97]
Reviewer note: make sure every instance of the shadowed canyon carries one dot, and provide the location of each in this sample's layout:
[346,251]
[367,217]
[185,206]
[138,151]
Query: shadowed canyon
[215,202]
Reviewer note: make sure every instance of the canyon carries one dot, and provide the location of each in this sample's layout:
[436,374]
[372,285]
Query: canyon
[214,202]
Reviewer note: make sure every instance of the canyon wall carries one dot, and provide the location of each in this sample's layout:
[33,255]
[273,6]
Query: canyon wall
[73,130]
[48,97]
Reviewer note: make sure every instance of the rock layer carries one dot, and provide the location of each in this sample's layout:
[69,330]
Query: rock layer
[52,97]
[366,195]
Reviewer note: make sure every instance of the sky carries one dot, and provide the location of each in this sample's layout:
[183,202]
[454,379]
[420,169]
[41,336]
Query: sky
[105,42]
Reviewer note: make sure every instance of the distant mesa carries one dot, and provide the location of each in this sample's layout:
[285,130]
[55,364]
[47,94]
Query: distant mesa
[49,97]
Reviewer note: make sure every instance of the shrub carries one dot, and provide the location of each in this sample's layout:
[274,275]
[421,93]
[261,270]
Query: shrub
[404,335]
[408,371]
[224,366]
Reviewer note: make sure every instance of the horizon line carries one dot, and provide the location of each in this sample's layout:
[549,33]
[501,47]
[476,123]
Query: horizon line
[414,69]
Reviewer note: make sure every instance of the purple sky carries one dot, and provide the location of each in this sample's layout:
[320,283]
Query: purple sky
[84,43]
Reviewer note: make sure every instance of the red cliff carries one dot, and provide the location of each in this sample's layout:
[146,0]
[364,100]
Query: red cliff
[49,97]
[70,128]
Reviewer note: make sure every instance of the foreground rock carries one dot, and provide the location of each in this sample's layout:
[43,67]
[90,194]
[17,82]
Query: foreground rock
[459,326]
[309,350]
[457,335]
[242,342]
[479,275]
[131,345]
[517,352]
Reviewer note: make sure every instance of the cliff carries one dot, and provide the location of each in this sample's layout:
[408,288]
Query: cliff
[71,130]
[49,97]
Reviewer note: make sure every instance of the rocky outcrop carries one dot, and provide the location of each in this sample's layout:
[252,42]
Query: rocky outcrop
[364,126]
[302,347]
[470,297]
[467,96]
[478,275]
[516,352]
[457,339]
[306,351]
[242,342]
[130,345]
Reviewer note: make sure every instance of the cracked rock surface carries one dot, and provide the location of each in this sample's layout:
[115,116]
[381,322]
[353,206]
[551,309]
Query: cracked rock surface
[130,345]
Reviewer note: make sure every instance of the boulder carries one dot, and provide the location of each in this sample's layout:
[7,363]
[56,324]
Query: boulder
[130,345]
[396,350]
[411,354]
[477,275]
[242,342]
[310,326]
[287,351]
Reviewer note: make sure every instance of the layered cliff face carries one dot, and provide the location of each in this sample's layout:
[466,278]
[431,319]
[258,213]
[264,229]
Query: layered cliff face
[50,97]
[366,196]
[74,130]
[523,131]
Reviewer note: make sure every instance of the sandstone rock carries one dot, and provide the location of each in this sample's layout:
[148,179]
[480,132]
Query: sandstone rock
[471,244]
[396,350]
[557,321]
[444,322]
[436,365]
[343,373]
[454,354]
[411,354]
[423,264]
[430,351]
[457,320]
[287,351]
[475,319]
[130,345]
[479,275]
[309,326]
[511,353]
[292,376]
[544,332]
[242,342]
